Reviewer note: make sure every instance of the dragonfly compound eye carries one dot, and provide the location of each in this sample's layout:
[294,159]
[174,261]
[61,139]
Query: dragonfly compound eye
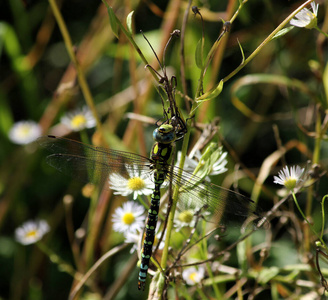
[165,134]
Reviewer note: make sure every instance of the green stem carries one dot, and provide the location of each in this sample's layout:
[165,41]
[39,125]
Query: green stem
[323,215]
[129,36]
[62,265]
[96,265]
[324,33]
[80,75]
[202,295]
[306,220]
[315,160]
[144,204]
[90,240]
[174,201]
[207,61]
[175,196]
[266,41]
[212,51]
[316,152]
[217,292]
[84,137]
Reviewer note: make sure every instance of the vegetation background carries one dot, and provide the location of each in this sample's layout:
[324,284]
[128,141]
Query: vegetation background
[271,113]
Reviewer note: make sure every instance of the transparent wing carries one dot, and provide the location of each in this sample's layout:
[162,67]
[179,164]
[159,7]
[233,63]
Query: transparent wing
[95,164]
[222,203]
[89,163]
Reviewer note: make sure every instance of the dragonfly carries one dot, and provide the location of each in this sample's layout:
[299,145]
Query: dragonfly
[96,164]
[169,85]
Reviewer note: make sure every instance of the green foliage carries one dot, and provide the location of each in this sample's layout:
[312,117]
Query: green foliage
[259,90]
[129,22]
[212,93]
[112,19]
[198,55]
[282,32]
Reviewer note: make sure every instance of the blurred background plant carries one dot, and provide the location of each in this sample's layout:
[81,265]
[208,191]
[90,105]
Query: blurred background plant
[270,112]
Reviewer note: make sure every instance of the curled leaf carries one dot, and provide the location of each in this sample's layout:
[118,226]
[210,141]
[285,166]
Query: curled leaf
[216,91]
[242,52]
[129,22]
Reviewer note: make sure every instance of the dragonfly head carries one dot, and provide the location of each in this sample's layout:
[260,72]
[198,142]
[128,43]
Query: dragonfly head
[164,134]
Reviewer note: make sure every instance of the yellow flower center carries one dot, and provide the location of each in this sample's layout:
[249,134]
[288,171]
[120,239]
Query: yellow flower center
[186,216]
[136,184]
[24,131]
[128,218]
[31,233]
[78,121]
[193,276]
[290,183]
[87,190]
[313,22]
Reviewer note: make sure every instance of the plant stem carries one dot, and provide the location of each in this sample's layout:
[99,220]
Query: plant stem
[266,41]
[174,200]
[324,33]
[306,220]
[323,215]
[62,265]
[80,75]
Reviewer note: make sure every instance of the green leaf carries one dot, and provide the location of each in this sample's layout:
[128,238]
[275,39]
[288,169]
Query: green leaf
[282,32]
[112,19]
[267,274]
[325,82]
[241,255]
[129,22]
[216,91]
[6,117]
[198,55]
[242,52]
[206,162]
[9,41]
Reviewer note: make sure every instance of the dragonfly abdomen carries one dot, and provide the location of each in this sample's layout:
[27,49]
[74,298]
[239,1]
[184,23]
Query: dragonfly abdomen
[150,228]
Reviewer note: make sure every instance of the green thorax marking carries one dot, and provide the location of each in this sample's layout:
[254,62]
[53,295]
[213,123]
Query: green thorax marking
[161,152]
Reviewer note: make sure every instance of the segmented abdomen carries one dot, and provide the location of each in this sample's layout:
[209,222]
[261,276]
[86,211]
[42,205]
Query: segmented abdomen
[147,249]
[161,156]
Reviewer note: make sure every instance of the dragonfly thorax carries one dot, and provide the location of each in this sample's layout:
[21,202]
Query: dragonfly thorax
[162,150]
[161,154]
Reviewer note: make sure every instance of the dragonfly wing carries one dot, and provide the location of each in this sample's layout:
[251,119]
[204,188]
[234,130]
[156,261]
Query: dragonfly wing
[89,163]
[221,202]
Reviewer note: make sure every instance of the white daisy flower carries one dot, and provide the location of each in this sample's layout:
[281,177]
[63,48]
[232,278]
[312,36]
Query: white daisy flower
[217,168]
[186,215]
[132,238]
[186,218]
[193,276]
[24,132]
[135,238]
[306,18]
[189,164]
[79,119]
[197,161]
[136,184]
[129,218]
[31,232]
[289,178]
